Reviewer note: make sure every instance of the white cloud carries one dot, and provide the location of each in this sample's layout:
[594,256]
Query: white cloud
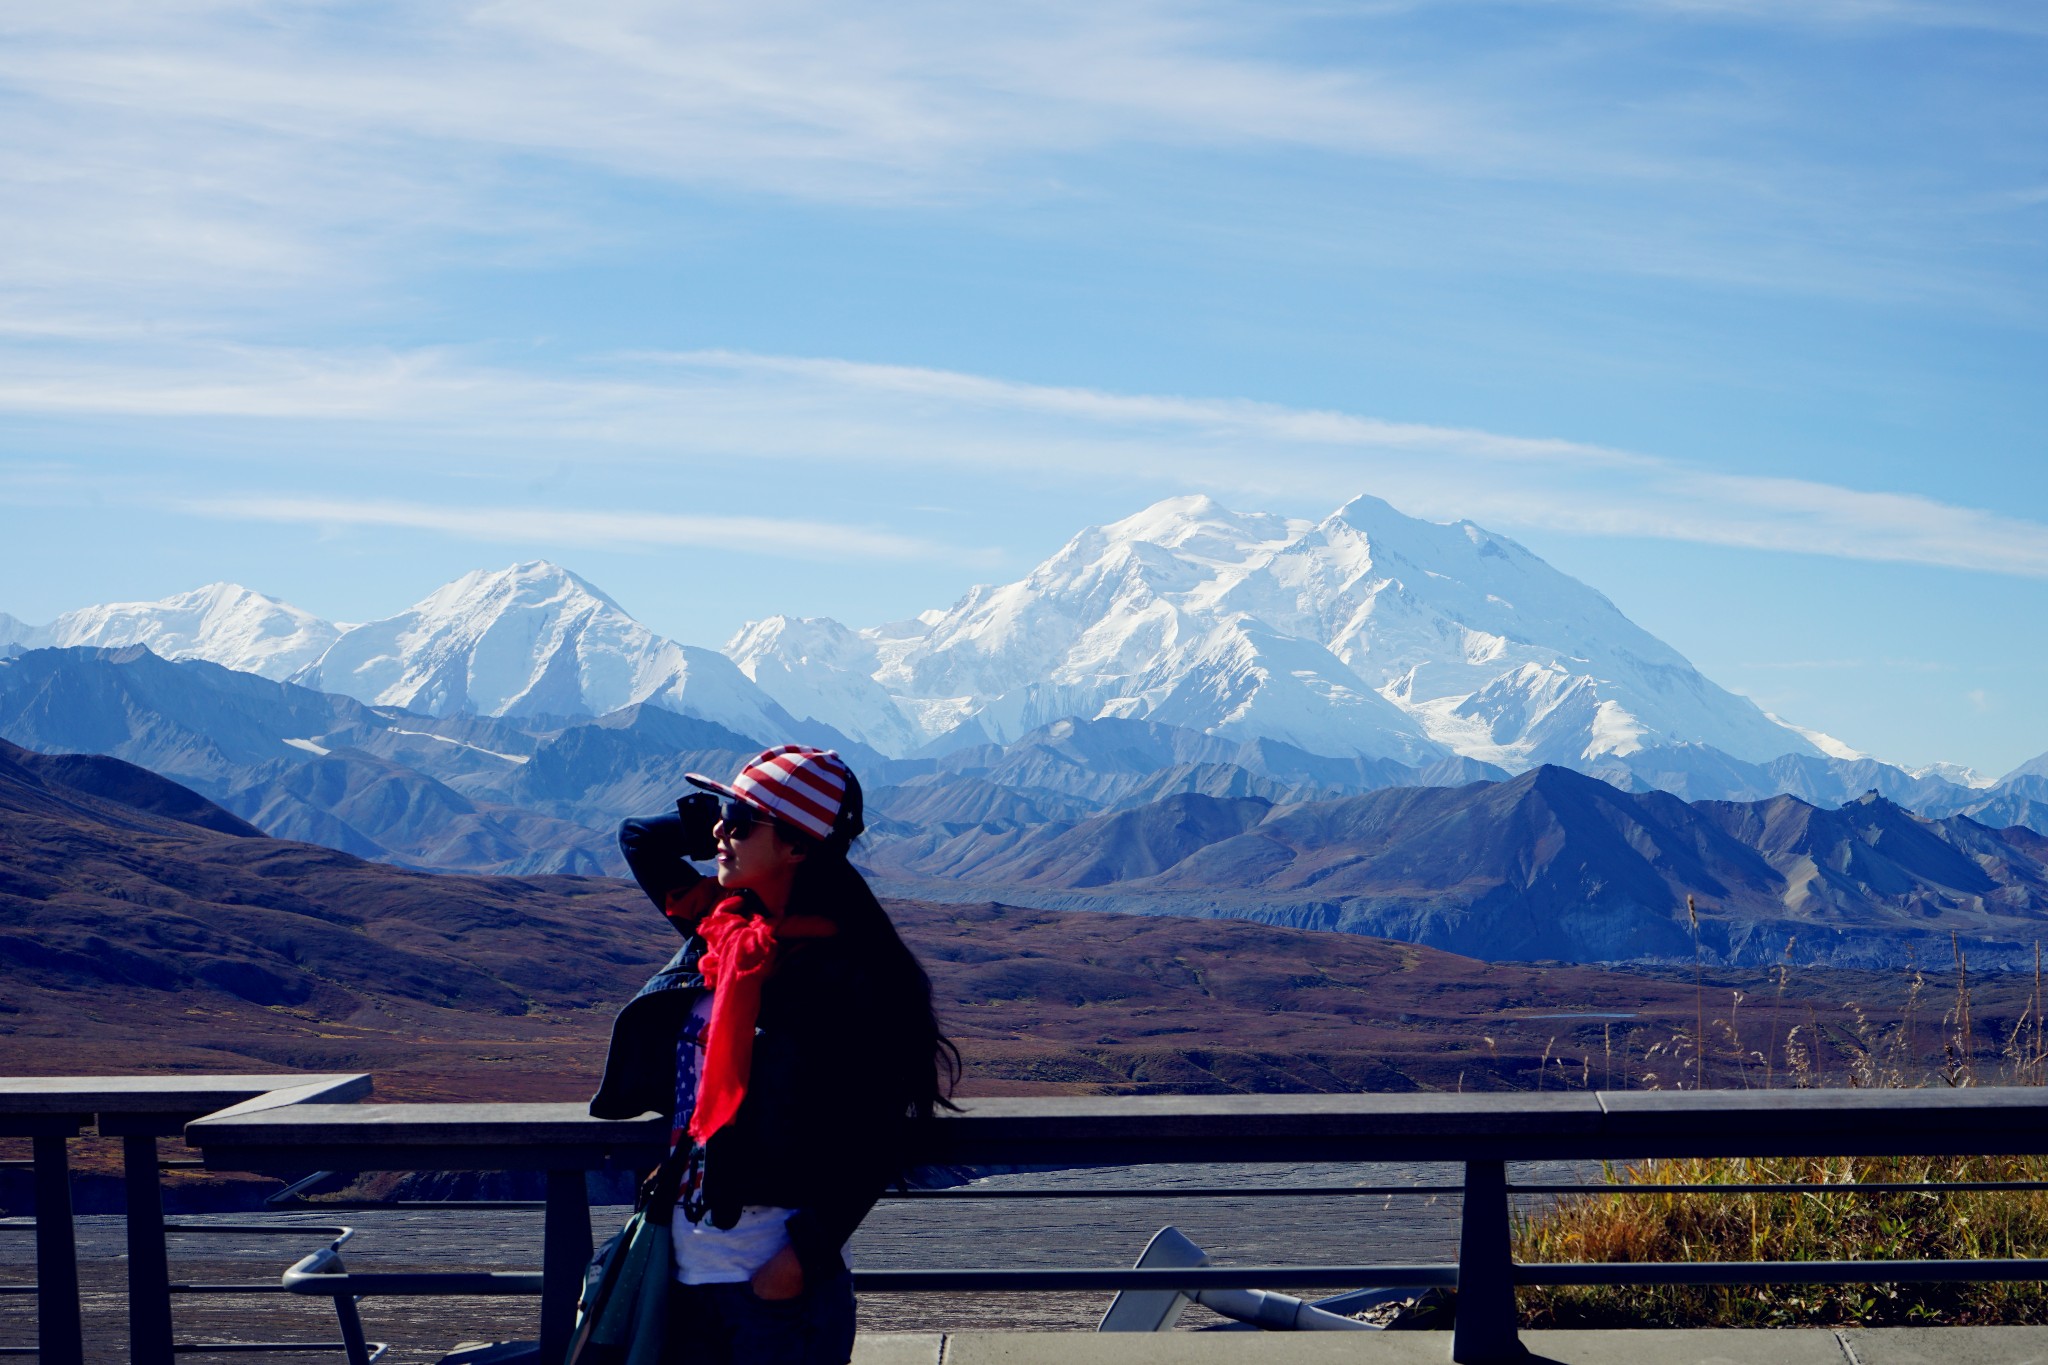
[224,151]
[2020,17]
[360,412]
[786,537]
[222,159]
[1240,416]
[776,93]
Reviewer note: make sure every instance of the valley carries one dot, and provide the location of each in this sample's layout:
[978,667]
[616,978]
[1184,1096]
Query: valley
[140,927]
[1119,815]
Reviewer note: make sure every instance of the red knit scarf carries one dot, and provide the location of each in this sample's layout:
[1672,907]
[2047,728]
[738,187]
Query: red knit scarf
[738,959]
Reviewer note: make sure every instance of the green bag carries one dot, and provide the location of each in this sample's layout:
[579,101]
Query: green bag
[624,1309]
[622,1315]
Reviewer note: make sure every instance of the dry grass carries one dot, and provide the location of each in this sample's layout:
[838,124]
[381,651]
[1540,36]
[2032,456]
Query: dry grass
[1828,1223]
[1926,1225]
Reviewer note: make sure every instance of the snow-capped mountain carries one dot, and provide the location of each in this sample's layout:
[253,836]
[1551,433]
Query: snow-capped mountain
[2037,766]
[1961,774]
[1496,654]
[1125,621]
[1135,620]
[1370,633]
[535,639]
[15,632]
[222,623]
[813,666]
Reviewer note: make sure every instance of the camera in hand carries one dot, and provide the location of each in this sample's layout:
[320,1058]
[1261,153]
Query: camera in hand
[699,811]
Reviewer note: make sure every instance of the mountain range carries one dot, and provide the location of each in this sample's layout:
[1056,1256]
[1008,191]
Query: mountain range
[525,794]
[1108,814]
[1549,864]
[1368,634]
[136,919]
[223,622]
[143,928]
[1232,679]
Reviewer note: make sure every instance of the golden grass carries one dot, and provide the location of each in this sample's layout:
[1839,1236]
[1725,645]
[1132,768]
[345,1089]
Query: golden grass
[1927,1225]
[1818,1225]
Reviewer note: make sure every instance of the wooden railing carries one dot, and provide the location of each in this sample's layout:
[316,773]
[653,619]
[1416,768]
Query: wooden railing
[1481,1132]
[139,1110]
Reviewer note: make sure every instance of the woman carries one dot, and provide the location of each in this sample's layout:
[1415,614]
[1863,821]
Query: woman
[793,1038]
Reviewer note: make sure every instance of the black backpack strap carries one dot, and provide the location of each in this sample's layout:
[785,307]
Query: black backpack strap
[666,1185]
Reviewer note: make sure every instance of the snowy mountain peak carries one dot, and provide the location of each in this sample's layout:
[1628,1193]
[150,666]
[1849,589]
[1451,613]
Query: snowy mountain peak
[1834,748]
[1370,633]
[804,639]
[1134,620]
[535,639]
[817,668]
[533,584]
[1959,773]
[2037,766]
[1196,526]
[223,623]
[1497,654]
[16,632]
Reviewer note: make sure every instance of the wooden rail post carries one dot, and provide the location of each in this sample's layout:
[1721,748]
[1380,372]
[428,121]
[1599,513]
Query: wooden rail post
[1484,1331]
[149,1272]
[565,1251]
[59,1337]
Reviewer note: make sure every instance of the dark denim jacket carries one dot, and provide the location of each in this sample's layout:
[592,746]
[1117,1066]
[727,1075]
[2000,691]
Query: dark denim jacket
[814,1134]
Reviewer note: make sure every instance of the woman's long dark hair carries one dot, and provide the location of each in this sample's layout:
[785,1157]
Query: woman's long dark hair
[918,1061]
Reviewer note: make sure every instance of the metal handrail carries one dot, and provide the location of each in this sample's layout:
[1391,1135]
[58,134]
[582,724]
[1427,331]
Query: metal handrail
[1776,1272]
[370,1205]
[312,1275]
[1047,1278]
[1481,1132]
[353,1343]
[1438,1191]
[1189,1192]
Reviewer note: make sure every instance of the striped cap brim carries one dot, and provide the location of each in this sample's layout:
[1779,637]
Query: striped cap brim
[802,787]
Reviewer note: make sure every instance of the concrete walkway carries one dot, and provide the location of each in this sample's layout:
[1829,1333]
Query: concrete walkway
[1850,1346]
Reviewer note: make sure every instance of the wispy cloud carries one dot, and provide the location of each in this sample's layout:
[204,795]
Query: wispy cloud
[2019,17]
[786,537]
[1848,665]
[795,95]
[221,158]
[224,152]
[778,413]
[1240,417]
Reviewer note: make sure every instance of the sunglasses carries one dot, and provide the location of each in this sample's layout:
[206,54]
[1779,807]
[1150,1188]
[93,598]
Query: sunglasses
[739,819]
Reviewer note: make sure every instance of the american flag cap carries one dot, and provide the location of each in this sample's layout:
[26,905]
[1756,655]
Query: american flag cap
[808,789]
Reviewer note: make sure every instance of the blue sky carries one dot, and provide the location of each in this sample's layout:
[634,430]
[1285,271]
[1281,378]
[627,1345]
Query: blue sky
[1732,308]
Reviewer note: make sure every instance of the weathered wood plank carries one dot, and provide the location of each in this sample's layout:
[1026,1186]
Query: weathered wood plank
[1973,1120]
[158,1094]
[1178,1128]
[383,1125]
